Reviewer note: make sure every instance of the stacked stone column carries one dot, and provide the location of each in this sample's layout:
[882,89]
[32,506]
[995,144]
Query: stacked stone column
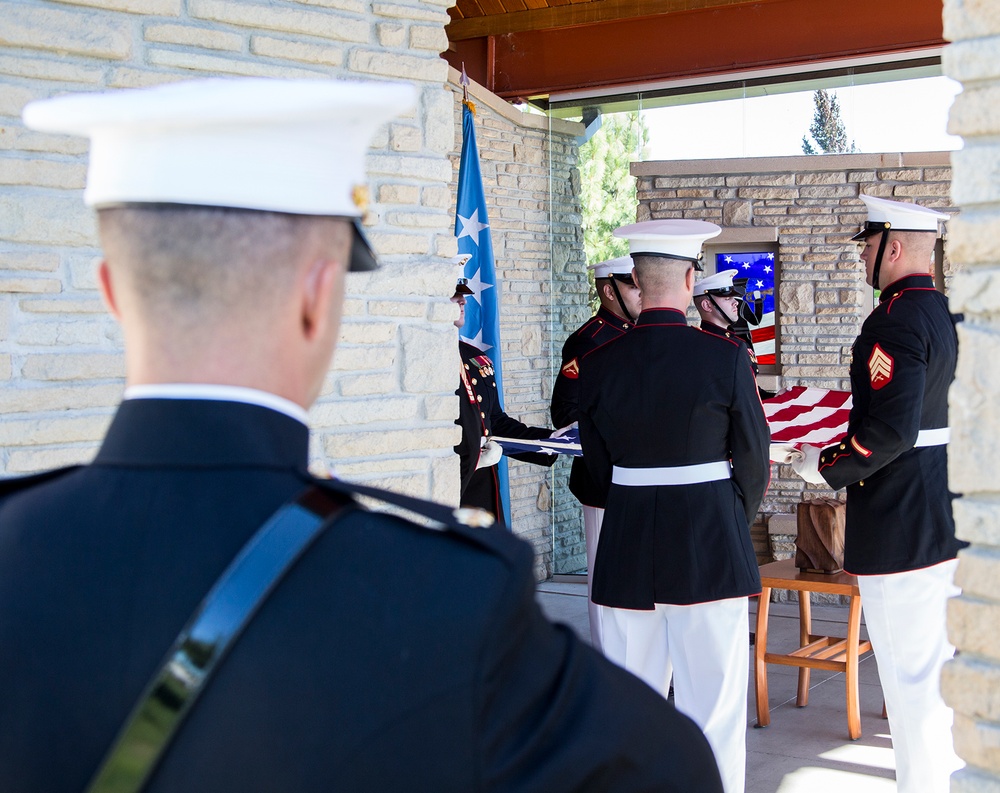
[971,683]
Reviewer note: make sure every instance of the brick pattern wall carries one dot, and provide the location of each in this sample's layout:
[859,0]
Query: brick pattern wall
[387,409]
[813,202]
[384,411]
[529,174]
[969,683]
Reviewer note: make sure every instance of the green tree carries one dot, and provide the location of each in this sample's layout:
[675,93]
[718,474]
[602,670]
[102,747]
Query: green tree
[607,189]
[827,130]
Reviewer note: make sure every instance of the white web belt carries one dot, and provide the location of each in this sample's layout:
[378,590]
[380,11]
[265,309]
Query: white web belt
[938,437]
[671,475]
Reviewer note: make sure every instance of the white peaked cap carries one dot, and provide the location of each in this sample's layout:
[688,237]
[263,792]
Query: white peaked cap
[621,266]
[295,146]
[720,280]
[673,238]
[900,215]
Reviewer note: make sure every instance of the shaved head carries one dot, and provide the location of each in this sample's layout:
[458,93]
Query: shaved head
[194,266]
[228,296]
[658,274]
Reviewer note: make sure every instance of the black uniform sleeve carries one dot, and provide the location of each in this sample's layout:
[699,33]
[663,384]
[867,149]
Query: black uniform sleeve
[595,451]
[749,439]
[891,422]
[566,390]
[555,715]
[508,427]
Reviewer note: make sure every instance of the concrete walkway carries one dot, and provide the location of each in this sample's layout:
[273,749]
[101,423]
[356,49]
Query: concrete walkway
[804,750]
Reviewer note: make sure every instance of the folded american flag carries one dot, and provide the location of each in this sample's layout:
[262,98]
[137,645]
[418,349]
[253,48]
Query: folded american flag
[564,444]
[800,415]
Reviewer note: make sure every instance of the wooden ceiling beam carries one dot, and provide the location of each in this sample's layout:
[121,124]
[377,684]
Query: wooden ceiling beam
[711,41]
[553,15]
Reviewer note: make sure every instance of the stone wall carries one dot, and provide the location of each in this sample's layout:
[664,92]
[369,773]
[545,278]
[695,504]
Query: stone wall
[384,411]
[970,682]
[388,406]
[812,203]
[529,174]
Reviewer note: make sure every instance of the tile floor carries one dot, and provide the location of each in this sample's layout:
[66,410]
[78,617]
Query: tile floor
[804,750]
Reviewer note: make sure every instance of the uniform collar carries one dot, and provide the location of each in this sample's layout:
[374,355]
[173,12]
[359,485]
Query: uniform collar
[662,316]
[197,433]
[717,330]
[918,281]
[468,350]
[222,393]
[609,317]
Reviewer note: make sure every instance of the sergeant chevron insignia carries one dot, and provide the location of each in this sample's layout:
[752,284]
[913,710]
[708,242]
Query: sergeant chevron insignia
[880,365]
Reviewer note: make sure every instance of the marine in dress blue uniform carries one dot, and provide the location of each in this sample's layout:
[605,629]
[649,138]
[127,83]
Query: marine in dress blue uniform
[481,418]
[391,656]
[620,303]
[721,304]
[900,534]
[675,438]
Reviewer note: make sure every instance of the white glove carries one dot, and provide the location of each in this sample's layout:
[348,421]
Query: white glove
[563,430]
[489,455]
[806,464]
[784,453]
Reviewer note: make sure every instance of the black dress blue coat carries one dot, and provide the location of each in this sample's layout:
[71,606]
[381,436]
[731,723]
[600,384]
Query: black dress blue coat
[481,416]
[664,395]
[899,514]
[391,657]
[601,328]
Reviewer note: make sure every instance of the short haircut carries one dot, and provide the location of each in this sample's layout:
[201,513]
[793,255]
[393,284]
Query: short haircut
[917,243]
[659,274]
[194,263]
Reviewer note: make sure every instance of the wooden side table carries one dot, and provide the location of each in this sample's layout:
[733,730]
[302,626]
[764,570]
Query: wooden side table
[814,652]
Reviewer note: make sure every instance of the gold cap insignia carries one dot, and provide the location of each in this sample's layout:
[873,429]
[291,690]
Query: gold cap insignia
[359,195]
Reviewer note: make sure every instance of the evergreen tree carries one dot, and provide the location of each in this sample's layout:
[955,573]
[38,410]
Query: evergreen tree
[607,189]
[827,129]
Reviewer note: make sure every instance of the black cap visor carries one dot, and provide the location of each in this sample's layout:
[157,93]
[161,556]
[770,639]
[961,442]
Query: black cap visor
[696,262]
[622,278]
[870,230]
[362,256]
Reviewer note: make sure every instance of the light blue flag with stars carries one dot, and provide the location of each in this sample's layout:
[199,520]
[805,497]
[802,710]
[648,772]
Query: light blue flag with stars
[482,308]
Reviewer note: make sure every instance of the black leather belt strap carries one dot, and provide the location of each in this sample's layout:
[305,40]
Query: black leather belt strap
[214,627]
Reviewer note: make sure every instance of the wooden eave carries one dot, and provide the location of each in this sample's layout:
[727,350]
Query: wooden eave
[541,48]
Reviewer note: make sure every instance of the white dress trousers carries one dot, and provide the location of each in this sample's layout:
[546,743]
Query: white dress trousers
[905,617]
[704,646]
[592,519]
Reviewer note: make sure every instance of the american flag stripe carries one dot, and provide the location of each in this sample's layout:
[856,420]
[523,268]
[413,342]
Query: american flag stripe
[801,415]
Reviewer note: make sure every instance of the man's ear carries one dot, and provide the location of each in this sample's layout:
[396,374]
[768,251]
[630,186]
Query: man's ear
[318,293]
[105,282]
[689,279]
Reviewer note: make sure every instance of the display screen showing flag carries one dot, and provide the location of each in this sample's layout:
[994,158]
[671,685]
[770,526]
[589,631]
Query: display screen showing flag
[757,268]
[569,443]
[803,415]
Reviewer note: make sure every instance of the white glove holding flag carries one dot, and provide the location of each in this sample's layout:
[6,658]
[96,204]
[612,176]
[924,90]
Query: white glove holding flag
[563,430]
[489,455]
[805,461]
